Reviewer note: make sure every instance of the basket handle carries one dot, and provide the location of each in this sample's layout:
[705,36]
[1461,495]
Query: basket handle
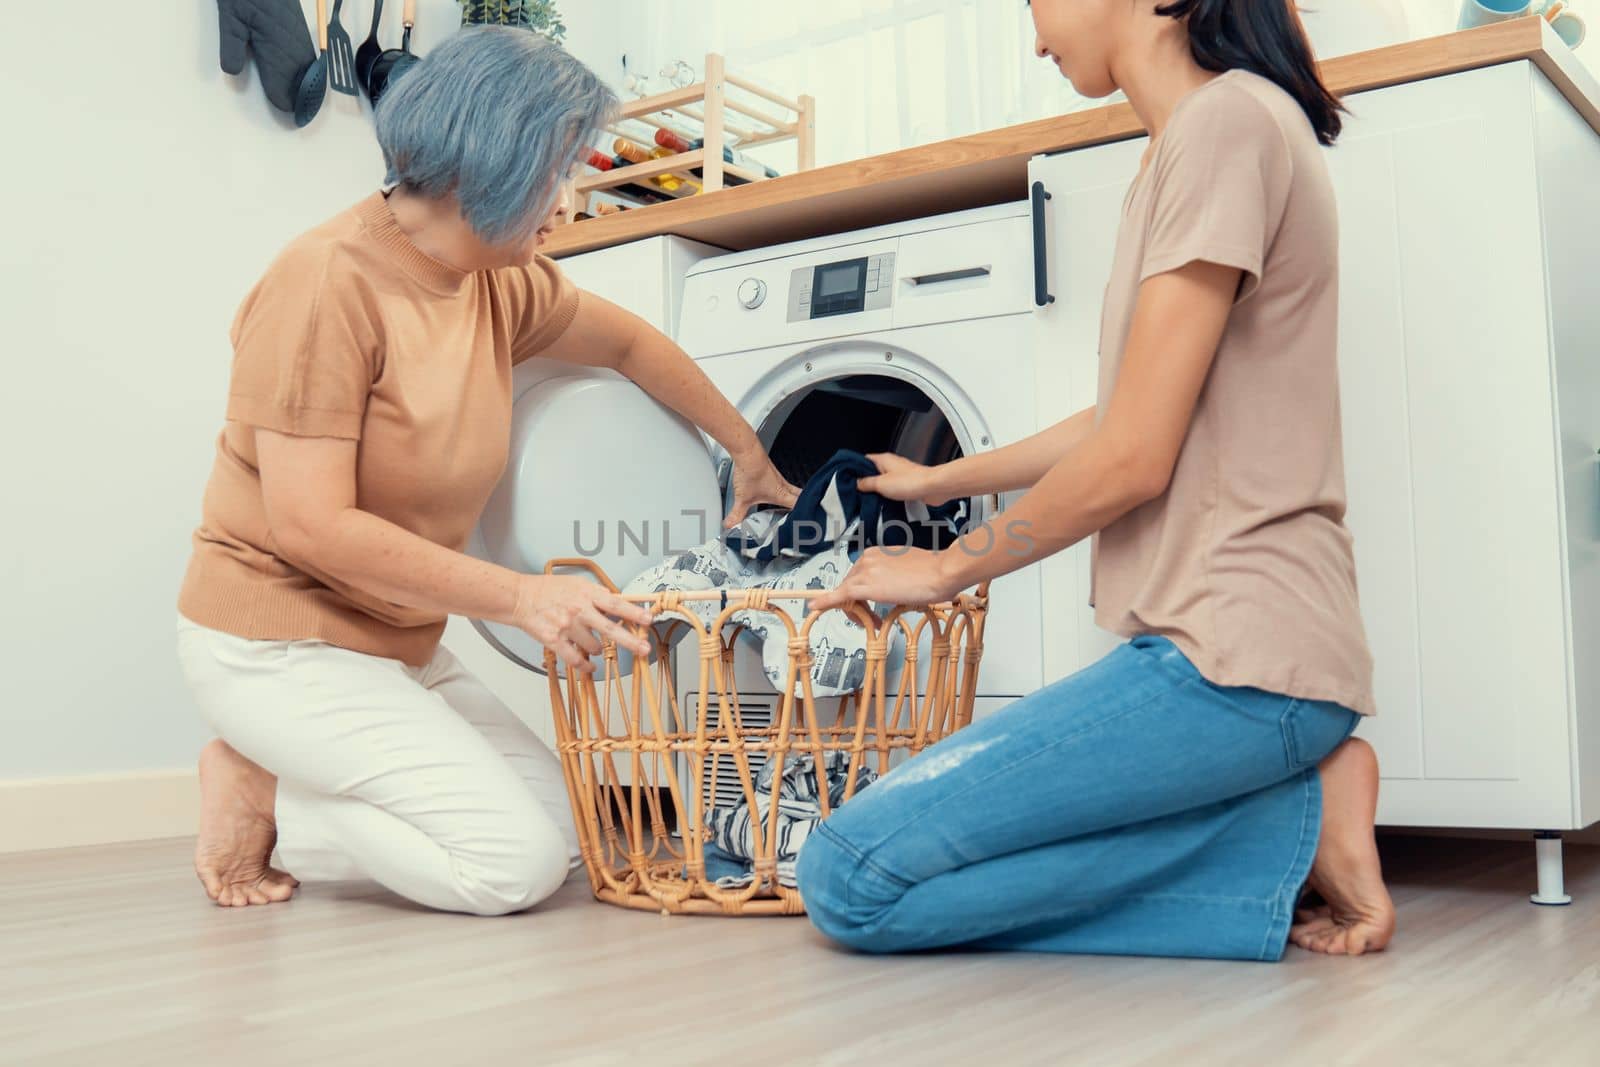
[574,564]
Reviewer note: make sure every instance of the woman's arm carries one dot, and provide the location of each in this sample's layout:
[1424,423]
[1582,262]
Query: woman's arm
[308,485]
[605,335]
[1124,462]
[1016,466]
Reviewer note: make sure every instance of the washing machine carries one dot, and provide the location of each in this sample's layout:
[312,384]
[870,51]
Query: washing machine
[920,338]
[917,338]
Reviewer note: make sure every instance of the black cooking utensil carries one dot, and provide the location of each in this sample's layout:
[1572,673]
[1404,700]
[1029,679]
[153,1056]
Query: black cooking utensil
[370,49]
[341,56]
[314,83]
[394,61]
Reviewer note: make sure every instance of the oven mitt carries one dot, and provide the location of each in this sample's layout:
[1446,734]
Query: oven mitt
[276,31]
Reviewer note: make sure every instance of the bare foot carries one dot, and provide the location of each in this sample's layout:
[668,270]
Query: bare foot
[237,831]
[1359,916]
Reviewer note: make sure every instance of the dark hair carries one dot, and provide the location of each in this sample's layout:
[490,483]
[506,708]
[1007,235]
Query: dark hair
[1264,37]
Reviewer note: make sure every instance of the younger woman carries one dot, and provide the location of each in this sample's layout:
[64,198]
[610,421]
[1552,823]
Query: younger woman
[1174,798]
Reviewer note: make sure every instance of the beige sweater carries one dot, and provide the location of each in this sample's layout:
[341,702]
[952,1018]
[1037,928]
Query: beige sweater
[356,333]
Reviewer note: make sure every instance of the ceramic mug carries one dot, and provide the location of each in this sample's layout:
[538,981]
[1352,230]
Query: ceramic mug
[1567,23]
[1568,26]
[1476,13]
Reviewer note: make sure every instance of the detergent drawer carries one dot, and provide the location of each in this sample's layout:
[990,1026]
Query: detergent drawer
[964,272]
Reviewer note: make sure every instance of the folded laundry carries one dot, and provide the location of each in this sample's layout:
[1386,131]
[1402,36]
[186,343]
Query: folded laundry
[731,839]
[832,505]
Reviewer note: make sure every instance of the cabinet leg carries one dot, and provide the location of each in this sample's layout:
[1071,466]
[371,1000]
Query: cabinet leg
[1547,854]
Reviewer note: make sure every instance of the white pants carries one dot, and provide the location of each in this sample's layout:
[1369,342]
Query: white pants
[418,778]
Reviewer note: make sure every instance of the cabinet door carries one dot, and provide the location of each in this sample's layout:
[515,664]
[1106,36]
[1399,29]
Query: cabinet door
[1448,447]
[1569,174]
[1087,188]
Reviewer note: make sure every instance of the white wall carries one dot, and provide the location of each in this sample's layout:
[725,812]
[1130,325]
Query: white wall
[144,191]
[888,74]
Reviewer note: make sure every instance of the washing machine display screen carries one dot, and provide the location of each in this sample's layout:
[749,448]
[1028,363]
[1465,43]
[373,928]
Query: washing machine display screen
[839,288]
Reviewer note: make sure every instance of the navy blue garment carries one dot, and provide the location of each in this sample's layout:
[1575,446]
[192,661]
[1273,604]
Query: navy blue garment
[829,506]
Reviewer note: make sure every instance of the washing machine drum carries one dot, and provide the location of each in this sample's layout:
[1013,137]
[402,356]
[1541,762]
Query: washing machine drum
[598,471]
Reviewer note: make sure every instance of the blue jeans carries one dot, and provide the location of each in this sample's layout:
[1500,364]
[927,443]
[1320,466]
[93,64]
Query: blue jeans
[1132,809]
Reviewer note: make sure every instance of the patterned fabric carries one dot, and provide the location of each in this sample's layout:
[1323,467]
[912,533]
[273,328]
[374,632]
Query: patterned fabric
[838,643]
[831,507]
[799,812]
[811,546]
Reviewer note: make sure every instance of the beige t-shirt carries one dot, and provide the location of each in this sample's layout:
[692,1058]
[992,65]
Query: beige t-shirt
[354,332]
[1244,562]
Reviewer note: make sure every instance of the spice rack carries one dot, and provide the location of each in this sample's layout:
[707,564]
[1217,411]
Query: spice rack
[708,113]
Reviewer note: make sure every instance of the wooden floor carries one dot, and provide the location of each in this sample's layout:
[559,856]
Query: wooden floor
[112,956]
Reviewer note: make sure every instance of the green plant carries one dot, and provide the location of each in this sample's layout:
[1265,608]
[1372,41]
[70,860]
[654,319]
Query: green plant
[540,16]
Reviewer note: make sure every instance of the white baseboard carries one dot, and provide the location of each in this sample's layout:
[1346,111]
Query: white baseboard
[99,809]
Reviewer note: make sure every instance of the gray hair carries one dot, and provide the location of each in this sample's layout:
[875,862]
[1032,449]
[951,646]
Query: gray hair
[496,116]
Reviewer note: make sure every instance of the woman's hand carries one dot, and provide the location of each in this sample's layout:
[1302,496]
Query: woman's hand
[757,481]
[905,576]
[571,616]
[899,478]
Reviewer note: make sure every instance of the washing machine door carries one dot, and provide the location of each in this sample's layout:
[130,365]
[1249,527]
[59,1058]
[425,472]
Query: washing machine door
[598,471]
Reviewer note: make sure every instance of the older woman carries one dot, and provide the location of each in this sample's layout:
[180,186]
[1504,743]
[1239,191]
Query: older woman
[368,420]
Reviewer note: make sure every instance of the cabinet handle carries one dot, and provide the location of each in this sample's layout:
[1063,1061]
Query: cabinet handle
[1041,272]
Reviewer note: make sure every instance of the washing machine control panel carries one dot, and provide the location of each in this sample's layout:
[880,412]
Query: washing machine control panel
[841,287]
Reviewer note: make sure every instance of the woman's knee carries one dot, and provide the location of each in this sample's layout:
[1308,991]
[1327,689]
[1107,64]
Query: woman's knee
[522,863]
[846,897]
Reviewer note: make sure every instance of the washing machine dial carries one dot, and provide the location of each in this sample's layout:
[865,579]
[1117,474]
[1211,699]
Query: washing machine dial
[752,291]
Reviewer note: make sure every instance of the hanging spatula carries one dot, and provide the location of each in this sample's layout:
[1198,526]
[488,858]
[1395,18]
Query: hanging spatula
[341,55]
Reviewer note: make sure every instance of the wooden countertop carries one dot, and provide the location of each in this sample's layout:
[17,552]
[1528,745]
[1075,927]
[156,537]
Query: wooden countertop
[992,167]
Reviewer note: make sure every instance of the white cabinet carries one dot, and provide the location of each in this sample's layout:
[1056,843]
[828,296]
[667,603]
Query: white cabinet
[1470,366]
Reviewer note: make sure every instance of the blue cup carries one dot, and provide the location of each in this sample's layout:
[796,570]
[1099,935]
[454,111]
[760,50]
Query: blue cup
[1567,23]
[1483,12]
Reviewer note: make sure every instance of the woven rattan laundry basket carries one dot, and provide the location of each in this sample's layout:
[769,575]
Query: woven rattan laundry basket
[640,763]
